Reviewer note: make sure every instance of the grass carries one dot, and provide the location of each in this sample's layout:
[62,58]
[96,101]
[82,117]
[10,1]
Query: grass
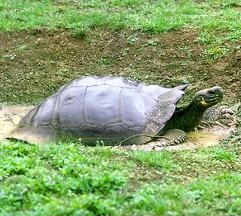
[69,179]
[216,19]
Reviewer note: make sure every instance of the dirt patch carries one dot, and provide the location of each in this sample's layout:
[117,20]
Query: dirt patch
[10,117]
[33,64]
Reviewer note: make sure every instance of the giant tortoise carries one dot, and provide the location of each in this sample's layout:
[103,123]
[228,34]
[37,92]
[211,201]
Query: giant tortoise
[116,111]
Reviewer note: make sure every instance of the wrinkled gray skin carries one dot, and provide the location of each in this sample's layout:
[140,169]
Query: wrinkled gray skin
[113,110]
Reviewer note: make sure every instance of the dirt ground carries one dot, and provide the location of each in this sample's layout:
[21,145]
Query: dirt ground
[33,64]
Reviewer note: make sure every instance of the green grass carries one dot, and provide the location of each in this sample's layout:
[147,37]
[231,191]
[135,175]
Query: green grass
[218,20]
[68,179]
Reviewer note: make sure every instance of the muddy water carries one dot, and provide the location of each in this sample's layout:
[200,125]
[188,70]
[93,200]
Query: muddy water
[195,140]
[11,115]
[207,138]
[201,139]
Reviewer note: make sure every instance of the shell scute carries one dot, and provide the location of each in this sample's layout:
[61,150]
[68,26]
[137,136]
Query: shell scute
[134,107]
[44,113]
[69,109]
[102,105]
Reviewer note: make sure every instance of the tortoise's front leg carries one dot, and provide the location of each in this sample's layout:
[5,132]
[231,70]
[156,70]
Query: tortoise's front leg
[170,138]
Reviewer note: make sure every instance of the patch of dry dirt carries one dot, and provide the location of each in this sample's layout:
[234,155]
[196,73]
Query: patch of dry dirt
[10,117]
[34,64]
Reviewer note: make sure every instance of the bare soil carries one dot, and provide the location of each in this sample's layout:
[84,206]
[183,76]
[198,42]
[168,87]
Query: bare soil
[10,117]
[33,64]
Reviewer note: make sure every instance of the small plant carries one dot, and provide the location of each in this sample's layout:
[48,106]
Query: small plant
[152,42]
[216,52]
[79,33]
[132,39]
[108,59]
[10,57]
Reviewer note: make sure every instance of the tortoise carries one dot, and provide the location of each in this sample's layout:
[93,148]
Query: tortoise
[114,110]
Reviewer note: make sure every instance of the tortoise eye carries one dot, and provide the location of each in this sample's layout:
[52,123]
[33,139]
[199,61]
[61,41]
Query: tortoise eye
[200,98]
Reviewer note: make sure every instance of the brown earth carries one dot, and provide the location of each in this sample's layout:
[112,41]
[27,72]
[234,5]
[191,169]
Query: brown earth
[33,64]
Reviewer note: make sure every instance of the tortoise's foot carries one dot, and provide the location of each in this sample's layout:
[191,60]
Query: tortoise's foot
[143,147]
[170,138]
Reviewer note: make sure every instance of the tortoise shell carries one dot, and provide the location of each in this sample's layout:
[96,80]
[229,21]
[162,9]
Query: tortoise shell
[111,109]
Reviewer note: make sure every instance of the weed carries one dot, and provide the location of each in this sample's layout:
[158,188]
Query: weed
[80,33]
[216,52]
[10,57]
[132,39]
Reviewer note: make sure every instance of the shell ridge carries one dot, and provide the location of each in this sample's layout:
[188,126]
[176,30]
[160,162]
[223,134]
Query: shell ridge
[84,115]
[54,119]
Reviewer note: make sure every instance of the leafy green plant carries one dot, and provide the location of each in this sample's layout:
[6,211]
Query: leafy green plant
[216,52]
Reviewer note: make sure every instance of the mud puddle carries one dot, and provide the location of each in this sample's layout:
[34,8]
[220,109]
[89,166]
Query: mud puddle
[11,115]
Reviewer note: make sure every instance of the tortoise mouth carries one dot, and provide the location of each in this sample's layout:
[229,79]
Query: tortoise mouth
[211,100]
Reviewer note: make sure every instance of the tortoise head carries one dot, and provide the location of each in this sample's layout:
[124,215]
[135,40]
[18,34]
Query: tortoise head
[208,97]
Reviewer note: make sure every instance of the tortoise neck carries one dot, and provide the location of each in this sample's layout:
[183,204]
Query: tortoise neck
[186,118]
